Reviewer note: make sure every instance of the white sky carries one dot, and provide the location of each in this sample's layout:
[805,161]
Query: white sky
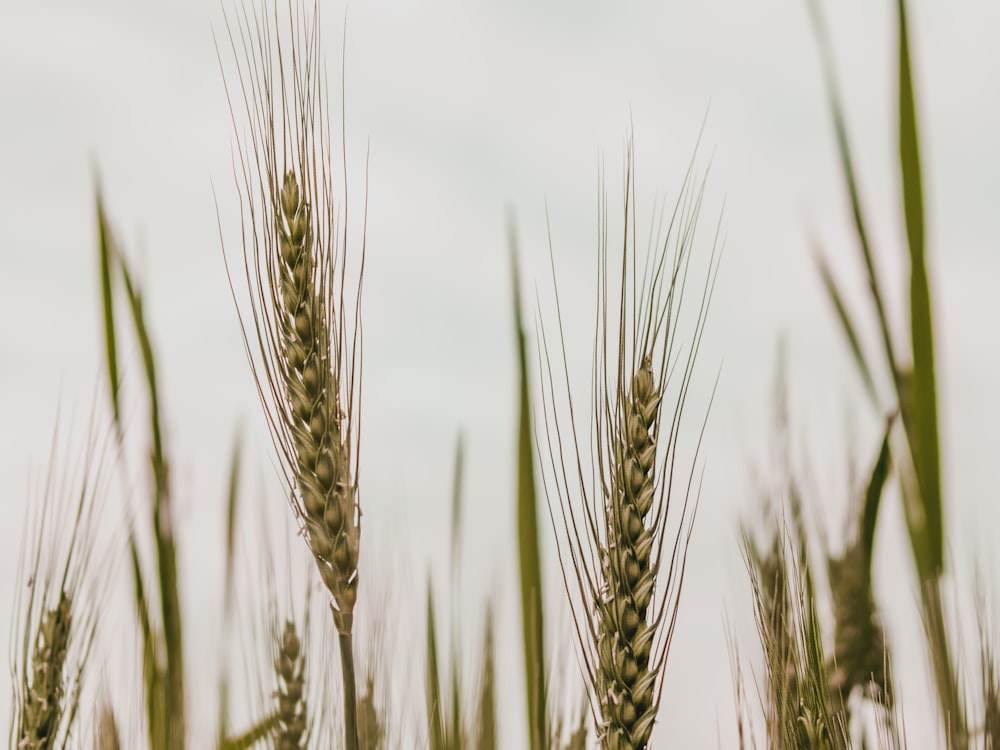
[471,110]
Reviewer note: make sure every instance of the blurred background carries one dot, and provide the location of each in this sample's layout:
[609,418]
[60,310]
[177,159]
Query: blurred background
[465,114]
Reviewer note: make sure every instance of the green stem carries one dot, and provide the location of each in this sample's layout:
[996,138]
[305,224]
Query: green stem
[944,674]
[350,692]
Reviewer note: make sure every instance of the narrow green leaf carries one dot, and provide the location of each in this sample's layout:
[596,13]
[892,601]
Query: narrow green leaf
[232,503]
[166,553]
[152,682]
[232,500]
[149,366]
[847,166]
[527,534]
[456,499]
[922,428]
[435,722]
[106,252]
[455,735]
[848,327]
[873,493]
[486,710]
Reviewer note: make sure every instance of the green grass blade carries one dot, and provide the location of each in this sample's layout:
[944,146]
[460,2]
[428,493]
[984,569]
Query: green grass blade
[232,504]
[922,426]
[850,179]
[435,722]
[166,553]
[106,253]
[486,710]
[456,500]
[527,535]
[455,735]
[152,678]
[873,493]
[232,501]
[848,327]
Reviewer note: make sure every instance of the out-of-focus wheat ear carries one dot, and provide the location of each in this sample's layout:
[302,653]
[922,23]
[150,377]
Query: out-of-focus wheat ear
[106,734]
[289,696]
[371,726]
[860,647]
[42,708]
[61,588]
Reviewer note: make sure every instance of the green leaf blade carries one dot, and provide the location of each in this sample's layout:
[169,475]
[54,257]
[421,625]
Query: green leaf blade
[923,426]
[529,555]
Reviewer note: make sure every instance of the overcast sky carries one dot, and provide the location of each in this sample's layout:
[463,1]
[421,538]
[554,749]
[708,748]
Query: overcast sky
[471,111]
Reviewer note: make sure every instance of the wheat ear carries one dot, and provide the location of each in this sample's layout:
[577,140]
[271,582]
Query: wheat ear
[291,706]
[308,353]
[621,568]
[43,705]
[626,679]
[322,460]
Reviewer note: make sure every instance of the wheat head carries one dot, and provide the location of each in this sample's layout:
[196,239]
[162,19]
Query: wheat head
[289,665]
[304,301]
[43,705]
[621,567]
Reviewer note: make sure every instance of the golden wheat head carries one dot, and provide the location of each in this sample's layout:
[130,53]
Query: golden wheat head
[621,567]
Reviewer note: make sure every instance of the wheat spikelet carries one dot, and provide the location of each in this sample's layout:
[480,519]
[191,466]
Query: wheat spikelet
[622,569]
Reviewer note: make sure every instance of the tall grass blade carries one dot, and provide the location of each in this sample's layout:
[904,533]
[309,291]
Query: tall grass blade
[847,166]
[486,711]
[435,720]
[166,553]
[106,253]
[151,673]
[873,493]
[527,533]
[848,327]
[922,426]
[229,588]
[456,499]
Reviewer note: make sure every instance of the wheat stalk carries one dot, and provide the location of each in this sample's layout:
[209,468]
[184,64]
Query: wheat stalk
[621,569]
[306,359]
